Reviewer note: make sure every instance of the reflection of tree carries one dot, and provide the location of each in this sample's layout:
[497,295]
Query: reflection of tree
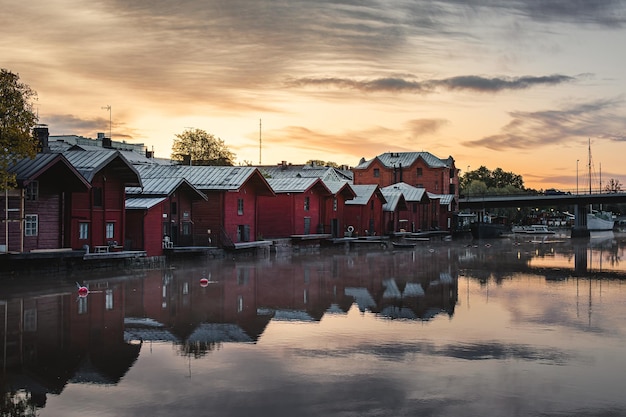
[17,403]
[198,349]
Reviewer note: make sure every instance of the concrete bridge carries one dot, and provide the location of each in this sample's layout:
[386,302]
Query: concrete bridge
[580,203]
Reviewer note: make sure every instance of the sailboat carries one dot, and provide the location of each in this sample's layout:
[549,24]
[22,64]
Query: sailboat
[598,220]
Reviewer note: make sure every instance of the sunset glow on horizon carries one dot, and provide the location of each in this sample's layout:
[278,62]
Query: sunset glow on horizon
[520,85]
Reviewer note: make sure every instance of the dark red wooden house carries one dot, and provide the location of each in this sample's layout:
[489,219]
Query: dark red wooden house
[38,215]
[364,213]
[416,214]
[296,209]
[228,217]
[98,217]
[335,205]
[161,201]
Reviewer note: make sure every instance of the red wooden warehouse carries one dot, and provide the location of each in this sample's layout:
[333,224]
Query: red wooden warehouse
[364,213]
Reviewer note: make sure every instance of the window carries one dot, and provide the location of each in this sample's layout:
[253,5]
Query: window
[307,203]
[31,225]
[372,205]
[108,299]
[32,191]
[186,228]
[376,172]
[97,196]
[173,208]
[334,204]
[83,231]
[419,172]
[240,206]
[30,320]
[82,305]
[110,230]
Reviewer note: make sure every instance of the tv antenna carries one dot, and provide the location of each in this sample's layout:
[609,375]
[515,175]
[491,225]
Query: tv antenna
[108,107]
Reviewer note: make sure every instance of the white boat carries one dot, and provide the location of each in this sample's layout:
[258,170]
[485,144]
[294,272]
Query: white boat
[600,220]
[535,229]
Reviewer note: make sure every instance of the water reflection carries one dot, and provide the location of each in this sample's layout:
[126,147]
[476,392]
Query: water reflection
[54,338]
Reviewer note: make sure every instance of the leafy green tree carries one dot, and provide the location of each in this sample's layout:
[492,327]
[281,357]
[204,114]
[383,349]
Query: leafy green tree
[17,120]
[202,148]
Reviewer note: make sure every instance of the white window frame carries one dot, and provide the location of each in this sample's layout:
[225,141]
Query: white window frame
[31,225]
[110,230]
[83,231]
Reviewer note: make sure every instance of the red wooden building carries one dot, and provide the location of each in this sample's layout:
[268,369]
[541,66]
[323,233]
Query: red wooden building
[296,209]
[364,213]
[98,217]
[228,217]
[167,202]
[415,215]
[335,207]
[38,214]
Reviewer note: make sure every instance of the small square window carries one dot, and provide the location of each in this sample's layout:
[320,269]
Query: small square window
[110,230]
[419,172]
[376,173]
[83,231]
[32,191]
[97,196]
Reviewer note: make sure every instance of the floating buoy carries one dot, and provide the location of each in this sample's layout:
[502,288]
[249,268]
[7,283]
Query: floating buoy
[204,282]
[83,291]
[350,229]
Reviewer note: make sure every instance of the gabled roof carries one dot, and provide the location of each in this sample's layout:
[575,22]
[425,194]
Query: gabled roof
[297,185]
[28,170]
[411,194]
[395,200]
[444,199]
[341,187]
[406,159]
[163,187]
[89,163]
[208,178]
[306,171]
[143,203]
[364,193]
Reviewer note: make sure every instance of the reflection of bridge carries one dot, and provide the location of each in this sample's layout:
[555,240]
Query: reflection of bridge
[581,202]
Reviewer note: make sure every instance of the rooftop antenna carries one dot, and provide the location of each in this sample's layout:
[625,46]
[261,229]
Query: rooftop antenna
[260,142]
[108,107]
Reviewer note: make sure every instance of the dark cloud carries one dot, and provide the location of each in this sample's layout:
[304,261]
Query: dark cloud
[69,124]
[530,130]
[473,83]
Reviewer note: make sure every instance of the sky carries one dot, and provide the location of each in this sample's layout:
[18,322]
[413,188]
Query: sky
[512,84]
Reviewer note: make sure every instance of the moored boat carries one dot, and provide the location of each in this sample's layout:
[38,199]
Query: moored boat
[535,229]
[600,220]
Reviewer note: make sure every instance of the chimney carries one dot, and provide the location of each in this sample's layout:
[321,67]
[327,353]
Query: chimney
[100,135]
[107,143]
[42,135]
[149,154]
[187,159]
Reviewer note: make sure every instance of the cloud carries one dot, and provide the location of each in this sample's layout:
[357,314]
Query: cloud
[472,83]
[530,130]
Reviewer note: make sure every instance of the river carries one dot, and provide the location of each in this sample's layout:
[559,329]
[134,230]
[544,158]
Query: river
[520,326]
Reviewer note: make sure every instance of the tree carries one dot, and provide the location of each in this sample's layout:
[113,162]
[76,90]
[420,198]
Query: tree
[17,120]
[320,163]
[614,186]
[202,148]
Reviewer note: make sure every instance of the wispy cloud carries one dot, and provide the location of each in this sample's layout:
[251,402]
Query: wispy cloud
[530,130]
[473,83]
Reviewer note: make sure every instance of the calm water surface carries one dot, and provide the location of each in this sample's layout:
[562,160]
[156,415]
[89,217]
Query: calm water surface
[512,327]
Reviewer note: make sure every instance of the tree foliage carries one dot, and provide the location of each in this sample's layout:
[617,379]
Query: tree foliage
[498,179]
[321,163]
[17,120]
[614,186]
[203,148]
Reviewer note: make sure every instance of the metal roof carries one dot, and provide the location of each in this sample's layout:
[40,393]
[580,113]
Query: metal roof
[295,185]
[162,187]
[391,159]
[143,203]
[393,198]
[444,199]
[306,171]
[411,194]
[213,178]
[89,163]
[363,194]
[27,170]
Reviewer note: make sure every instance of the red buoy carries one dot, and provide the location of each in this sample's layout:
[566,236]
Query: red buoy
[204,282]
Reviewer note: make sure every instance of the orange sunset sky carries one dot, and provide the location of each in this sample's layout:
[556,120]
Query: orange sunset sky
[520,85]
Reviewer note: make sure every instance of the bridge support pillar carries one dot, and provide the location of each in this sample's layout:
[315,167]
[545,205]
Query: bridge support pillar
[579,230]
